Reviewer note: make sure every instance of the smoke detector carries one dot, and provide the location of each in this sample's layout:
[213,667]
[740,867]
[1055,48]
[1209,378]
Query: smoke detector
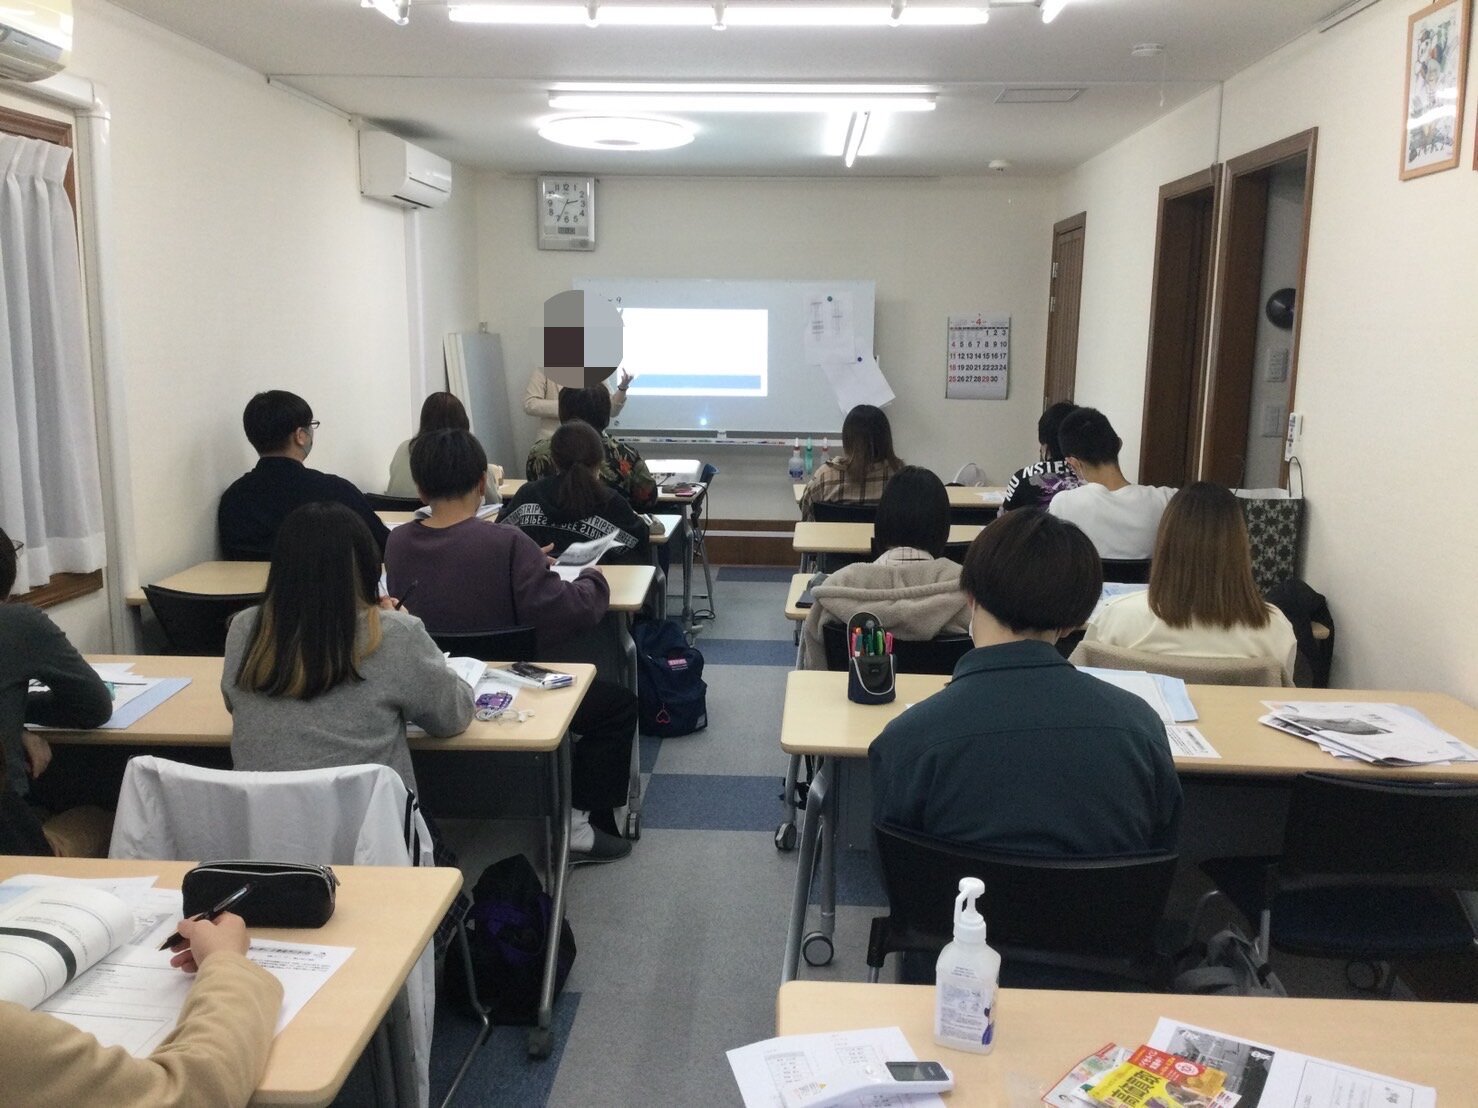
[1148,50]
[998,165]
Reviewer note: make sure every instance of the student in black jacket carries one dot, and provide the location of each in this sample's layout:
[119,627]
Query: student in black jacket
[34,648]
[281,427]
[1022,752]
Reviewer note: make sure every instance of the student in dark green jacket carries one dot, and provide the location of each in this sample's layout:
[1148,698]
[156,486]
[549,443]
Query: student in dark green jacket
[34,648]
[1021,752]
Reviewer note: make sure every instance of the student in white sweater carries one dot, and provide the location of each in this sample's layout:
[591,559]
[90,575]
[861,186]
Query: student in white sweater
[1202,601]
[1120,518]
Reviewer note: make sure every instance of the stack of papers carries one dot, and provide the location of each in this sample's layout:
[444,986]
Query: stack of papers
[134,697]
[1382,734]
[470,670]
[762,1069]
[1170,700]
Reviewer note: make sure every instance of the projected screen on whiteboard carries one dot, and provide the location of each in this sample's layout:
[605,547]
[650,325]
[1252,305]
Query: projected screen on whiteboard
[659,345]
[731,355]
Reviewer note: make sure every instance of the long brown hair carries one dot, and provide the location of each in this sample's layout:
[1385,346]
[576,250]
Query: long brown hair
[867,440]
[325,572]
[577,452]
[1202,568]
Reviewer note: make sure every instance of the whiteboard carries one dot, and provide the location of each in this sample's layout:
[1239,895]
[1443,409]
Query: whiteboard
[728,323]
[474,365]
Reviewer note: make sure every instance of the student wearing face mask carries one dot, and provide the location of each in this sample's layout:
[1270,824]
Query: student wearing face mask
[1021,751]
[281,428]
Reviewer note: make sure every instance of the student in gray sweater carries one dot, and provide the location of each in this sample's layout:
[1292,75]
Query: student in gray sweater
[321,674]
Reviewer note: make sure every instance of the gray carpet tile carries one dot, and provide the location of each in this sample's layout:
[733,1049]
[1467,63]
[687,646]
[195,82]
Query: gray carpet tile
[747,652]
[755,574]
[743,733]
[502,1074]
[712,802]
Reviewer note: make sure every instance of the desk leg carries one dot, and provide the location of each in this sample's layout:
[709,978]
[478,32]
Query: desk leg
[811,819]
[541,1036]
[830,825]
[633,793]
[688,623]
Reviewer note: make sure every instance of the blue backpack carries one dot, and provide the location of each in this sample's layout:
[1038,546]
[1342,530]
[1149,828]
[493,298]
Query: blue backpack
[672,695]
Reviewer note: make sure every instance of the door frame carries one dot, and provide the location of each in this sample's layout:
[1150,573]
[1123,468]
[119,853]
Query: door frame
[1302,145]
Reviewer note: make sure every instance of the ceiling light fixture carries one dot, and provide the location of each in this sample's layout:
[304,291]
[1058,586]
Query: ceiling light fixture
[855,134]
[598,132]
[397,11]
[738,13]
[740,97]
[1051,9]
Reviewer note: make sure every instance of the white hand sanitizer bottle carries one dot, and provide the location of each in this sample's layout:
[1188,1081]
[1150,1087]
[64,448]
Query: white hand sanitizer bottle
[797,467]
[965,979]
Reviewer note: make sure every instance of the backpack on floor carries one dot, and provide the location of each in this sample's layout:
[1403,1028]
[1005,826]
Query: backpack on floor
[507,932]
[1228,964]
[672,695]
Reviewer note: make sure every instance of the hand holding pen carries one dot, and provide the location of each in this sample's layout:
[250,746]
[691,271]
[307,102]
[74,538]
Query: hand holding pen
[206,917]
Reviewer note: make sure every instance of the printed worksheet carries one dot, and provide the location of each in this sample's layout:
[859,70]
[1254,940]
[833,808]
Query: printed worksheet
[762,1069]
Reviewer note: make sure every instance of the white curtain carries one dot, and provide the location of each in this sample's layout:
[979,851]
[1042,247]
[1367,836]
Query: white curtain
[49,482]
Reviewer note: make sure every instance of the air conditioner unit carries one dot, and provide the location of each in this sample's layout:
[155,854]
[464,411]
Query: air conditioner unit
[392,169]
[35,39]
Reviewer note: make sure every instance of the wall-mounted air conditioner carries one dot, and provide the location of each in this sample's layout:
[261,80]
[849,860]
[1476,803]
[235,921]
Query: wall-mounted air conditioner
[392,169]
[35,39]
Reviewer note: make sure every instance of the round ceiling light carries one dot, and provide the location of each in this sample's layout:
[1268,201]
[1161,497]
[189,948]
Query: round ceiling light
[616,132]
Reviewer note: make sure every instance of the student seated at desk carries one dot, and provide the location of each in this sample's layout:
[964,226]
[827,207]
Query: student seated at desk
[573,504]
[321,674]
[1035,485]
[462,574]
[541,399]
[440,411]
[281,428]
[215,1055]
[1202,601]
[912,589]
[1120,518]
[863,468]
[1022,752]
[32,648]
[621,468]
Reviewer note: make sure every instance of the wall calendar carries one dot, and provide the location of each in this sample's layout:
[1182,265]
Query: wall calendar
[979,362]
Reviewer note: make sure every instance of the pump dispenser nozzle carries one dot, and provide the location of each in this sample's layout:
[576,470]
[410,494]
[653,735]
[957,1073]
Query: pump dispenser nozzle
[969,923]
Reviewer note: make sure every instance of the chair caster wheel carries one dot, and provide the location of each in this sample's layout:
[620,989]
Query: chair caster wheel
[541,1041]
[785,837]
[817,949]
[633,826]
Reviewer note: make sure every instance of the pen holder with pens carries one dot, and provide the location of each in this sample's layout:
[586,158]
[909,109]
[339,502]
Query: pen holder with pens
[870,661]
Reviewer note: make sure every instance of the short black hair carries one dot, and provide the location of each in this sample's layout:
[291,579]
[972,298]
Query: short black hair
[1048,425]
[1087,435]
[1033,572]
[593,405]
[913,511]
[7,572]
[447,463]
[271,417]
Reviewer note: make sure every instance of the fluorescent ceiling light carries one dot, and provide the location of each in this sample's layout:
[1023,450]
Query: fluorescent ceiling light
[1051,9]
[719,14]
[855,134]
[591,132]
[397,11]
[750,97]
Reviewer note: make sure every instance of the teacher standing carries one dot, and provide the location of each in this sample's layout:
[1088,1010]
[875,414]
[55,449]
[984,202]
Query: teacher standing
[541,400]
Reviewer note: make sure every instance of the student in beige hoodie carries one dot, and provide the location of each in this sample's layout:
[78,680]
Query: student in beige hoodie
[913,591]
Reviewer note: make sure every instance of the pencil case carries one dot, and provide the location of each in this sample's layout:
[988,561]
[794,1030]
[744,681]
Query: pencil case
[870,677]
[283,894]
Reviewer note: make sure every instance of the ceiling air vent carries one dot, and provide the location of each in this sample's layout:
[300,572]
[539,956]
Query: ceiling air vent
[1038,95]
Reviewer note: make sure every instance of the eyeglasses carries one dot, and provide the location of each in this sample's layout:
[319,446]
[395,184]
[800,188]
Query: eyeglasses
[313,424]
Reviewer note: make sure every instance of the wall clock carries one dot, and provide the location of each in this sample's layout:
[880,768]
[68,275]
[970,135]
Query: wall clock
[566,216]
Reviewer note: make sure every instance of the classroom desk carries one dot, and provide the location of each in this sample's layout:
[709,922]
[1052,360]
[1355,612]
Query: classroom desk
[1043,1033]
[798,583]
[819,721]
[689,504]
[196,716]
[386,913]
[856,538]
[960,496]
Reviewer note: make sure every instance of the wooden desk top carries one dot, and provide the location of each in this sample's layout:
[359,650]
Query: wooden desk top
[960,496]
[386,913]
[856,538]
[1042,1034]
[798,583]
[819,719]
[665,495]
[197,716]
[629,584]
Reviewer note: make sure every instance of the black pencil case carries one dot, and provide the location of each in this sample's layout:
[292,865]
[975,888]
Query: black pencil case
[870,677]
[283,894]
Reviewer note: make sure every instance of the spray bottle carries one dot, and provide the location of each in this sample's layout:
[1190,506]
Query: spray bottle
[797,467]
[825,451]
[965,979]
[809,468]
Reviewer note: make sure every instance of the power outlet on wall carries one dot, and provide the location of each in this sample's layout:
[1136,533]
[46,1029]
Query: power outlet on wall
[1277,367]
[1272,421]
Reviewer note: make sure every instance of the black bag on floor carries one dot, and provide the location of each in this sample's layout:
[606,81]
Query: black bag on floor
[507,929]
[673,697]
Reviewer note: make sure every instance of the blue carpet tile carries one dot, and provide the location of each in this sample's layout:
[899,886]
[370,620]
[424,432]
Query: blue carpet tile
[650,745]
[711,802]
[858,882]
[502,1074]
[747,652]
[764,574]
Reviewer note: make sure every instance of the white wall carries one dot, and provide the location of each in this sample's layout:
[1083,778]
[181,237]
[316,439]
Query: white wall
[935,248]
[246,260]
[1385,376]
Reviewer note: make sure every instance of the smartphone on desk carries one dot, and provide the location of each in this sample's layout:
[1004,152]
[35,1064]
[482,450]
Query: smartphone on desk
[683,489]
[538,675]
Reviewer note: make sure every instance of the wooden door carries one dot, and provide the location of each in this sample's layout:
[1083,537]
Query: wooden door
[1064,300]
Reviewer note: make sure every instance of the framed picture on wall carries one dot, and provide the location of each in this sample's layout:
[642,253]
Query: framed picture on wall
[1436,70]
